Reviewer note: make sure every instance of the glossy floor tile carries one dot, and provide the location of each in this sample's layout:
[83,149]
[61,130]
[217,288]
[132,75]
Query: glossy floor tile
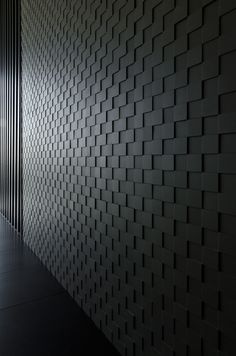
[17,258]
[37,316]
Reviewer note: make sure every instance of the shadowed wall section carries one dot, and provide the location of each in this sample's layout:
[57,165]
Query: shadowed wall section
[129,166]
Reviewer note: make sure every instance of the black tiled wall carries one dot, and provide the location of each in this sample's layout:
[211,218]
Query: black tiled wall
[129,174]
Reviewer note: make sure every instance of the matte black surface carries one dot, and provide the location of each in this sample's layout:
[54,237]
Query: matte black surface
[129,160]
[37,316]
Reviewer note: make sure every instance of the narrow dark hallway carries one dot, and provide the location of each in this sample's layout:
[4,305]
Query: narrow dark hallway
[117,177]
[37,316]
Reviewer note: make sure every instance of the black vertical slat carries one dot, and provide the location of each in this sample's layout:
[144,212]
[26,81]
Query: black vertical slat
[1,74]
[10,127]
[7,109]
[18,120]
[6,117]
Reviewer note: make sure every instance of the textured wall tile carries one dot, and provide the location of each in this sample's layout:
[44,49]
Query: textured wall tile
[129,165]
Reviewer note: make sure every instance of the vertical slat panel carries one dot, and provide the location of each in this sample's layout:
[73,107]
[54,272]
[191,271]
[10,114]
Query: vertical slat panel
[10,127]
[18,120]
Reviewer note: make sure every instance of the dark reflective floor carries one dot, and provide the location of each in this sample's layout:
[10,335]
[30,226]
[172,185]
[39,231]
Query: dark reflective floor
[37,316]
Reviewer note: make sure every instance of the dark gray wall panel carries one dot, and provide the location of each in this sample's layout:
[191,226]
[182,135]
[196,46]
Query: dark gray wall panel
[10,115]
[129,166]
